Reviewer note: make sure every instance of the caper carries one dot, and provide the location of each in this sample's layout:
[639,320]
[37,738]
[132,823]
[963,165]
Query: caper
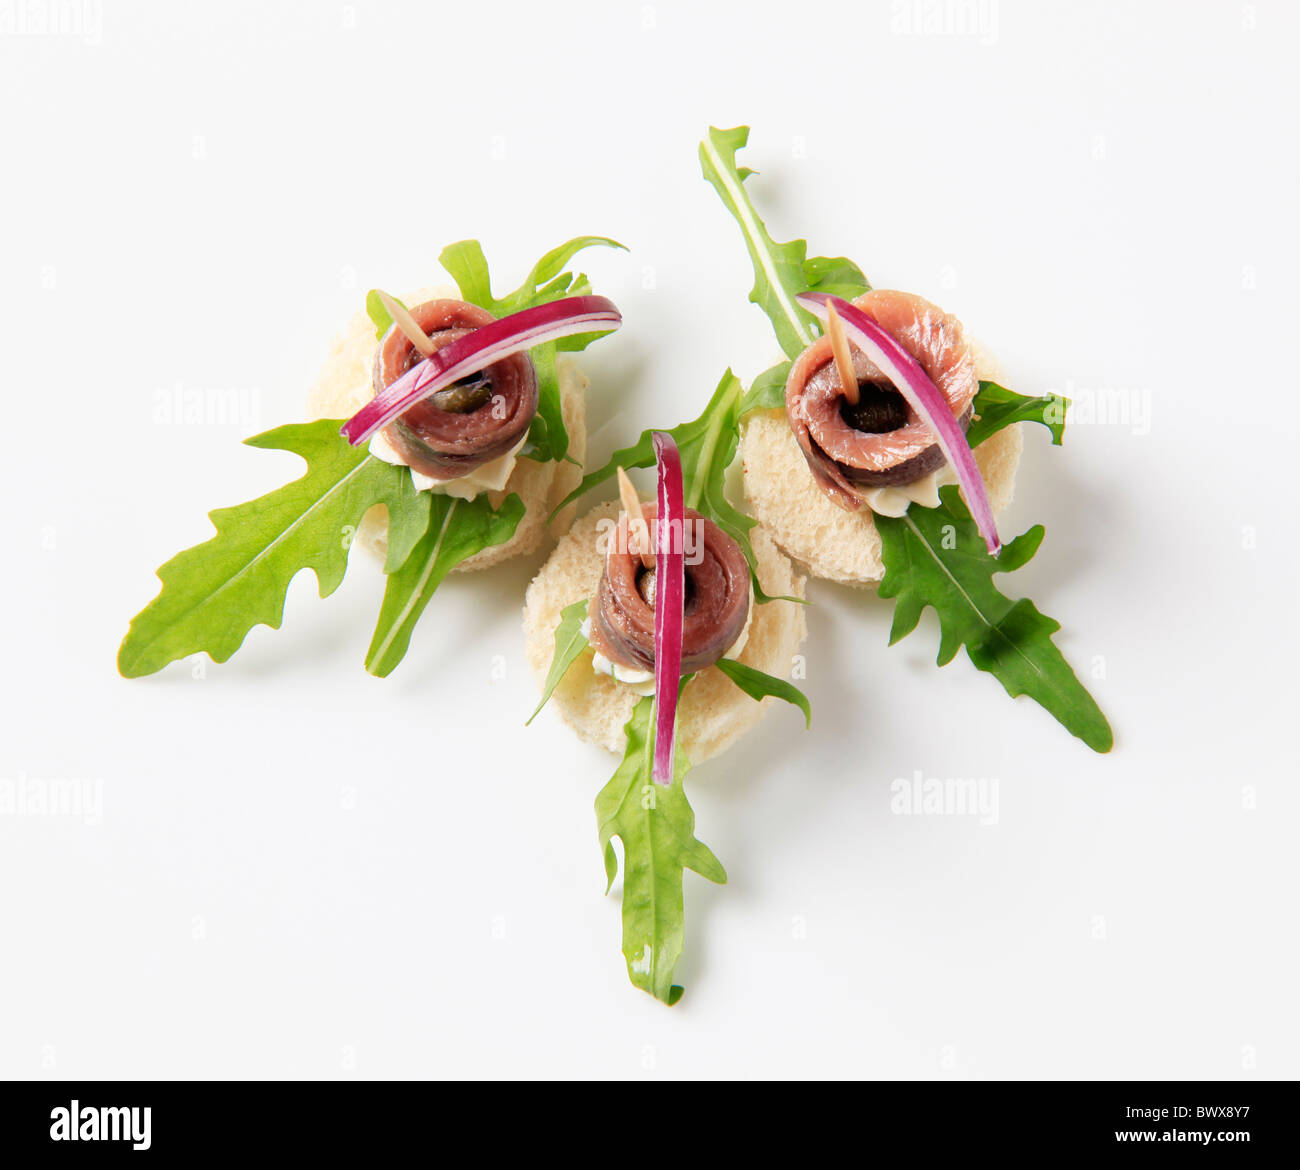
[465,395]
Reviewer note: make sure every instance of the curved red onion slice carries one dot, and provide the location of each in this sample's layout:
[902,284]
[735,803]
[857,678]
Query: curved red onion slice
[670,600]
[478,350]
[922,395]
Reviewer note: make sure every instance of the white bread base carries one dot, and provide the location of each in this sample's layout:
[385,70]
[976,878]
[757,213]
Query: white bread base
[714,712]
[345,386]
[829,541]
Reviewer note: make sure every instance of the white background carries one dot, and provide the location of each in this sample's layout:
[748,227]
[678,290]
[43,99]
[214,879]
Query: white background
[299,870]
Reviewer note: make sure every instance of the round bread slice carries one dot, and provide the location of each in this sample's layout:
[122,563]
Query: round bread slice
[829,541]
[714,712]
[345,386]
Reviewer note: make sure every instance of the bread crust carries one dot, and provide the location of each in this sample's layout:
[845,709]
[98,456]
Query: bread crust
[714,712]
[345,385]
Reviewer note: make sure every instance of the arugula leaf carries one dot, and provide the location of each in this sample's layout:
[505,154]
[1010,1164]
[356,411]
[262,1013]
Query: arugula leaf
[781,271]
[467,265]
[767,391]
[778,268]
[548,438]
[708,445]
[758,684]
[214,593]
[998,407]
[457,530]
[549,272]
[569,643]
[657,828]
[836,275]
[375,310]
[936,556]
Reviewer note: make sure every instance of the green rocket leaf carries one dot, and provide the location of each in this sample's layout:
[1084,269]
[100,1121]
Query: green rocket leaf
[707,445]
[548,438]
[378,313]
[836,275]
[936,556]
[215,593]
[548,281]
[467,265]
[996,407]
[657,827]
[457,530]
[758,684]
[781,271]
[767,391]
[569,643]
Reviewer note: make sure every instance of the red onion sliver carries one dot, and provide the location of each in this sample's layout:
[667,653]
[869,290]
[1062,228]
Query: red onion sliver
[478,350]
[670,600]
[923,396]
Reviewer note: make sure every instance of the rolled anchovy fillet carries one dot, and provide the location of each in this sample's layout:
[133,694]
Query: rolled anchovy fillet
[882,440]
[716,605]
[469,423]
